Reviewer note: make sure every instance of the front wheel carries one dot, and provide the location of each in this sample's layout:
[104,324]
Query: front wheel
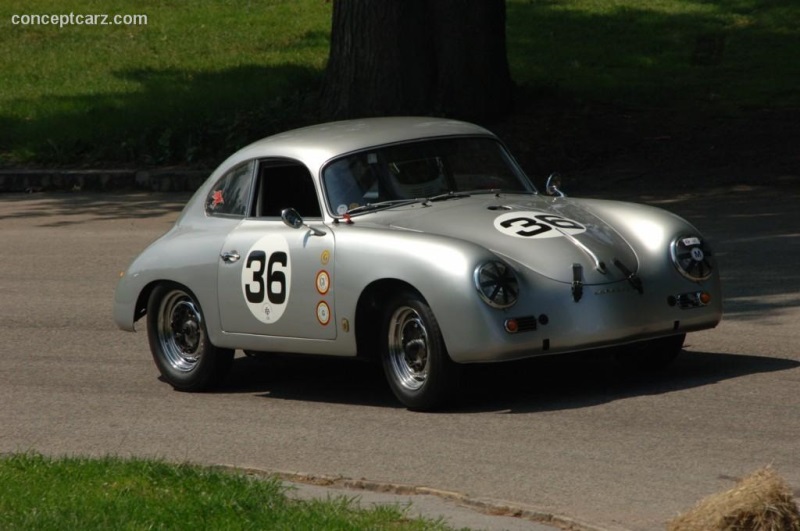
[415,360]
[179,341]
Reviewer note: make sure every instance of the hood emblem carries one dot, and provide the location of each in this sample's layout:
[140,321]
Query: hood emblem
[611,291]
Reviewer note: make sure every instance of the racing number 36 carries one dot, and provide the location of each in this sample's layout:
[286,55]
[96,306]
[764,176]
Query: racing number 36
[532,226]
[275,283]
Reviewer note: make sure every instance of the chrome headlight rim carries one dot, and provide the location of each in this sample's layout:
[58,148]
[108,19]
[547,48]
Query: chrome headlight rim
[497,284]
[691,257]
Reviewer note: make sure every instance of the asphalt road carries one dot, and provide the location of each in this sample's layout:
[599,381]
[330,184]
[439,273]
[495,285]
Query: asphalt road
[567,436]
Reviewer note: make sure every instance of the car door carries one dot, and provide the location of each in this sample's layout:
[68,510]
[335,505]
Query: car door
[275,280]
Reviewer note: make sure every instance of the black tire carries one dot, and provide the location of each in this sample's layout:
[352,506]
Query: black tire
[179,341]
[415,360]
[652,355]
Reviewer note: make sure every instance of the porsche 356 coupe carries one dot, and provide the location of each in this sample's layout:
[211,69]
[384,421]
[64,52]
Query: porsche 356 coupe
[415,241]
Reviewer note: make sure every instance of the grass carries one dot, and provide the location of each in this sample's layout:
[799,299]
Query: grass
[196,83]
[192,82]
[76,493]
[678,54]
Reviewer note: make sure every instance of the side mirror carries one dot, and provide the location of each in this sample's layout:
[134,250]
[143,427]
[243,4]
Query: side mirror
[553,185]
[292,218]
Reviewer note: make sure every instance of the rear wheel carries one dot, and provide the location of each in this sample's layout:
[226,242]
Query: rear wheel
[179,341]
[415,361]
[652,355]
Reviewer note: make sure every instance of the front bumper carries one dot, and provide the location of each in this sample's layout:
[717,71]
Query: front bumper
[552,322]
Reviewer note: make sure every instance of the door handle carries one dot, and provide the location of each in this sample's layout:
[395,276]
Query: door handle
[230,257]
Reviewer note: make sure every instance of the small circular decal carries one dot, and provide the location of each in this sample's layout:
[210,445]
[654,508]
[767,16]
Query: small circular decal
[325,258]
[323,313]
[697,254]
[267,278]
[536,225]
[323,282]
[341,209]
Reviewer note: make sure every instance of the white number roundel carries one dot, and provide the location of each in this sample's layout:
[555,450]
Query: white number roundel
[267,278]
[536,225]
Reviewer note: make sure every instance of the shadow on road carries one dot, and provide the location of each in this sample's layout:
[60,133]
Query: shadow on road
[65,209]
[528,386]
[583,380]
[311,378]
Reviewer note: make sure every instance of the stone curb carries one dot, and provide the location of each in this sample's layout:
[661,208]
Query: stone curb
[54,180]
[483,505]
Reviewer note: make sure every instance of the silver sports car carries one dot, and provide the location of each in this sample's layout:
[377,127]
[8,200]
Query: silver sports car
[416,241]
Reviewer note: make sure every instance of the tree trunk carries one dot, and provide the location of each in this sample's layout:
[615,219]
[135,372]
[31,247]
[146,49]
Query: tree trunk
[410,57]
[379,62]
[472,78]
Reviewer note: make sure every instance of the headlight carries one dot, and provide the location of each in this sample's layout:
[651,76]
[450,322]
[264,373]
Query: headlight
[692,258]
[497,285]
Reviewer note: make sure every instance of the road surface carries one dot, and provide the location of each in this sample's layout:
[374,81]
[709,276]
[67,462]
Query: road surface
[564,436]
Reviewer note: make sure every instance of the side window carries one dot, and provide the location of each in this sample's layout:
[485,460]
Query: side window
[228,196]
[285,184]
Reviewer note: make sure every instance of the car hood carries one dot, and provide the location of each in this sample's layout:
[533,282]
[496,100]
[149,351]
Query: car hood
[543,234]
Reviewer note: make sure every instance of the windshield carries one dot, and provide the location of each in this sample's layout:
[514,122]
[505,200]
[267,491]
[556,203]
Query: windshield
[421,170]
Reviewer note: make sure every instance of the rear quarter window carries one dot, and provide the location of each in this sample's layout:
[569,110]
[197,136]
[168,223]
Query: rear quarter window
[229,195]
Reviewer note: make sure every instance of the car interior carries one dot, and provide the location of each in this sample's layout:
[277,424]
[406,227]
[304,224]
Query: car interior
[281,185]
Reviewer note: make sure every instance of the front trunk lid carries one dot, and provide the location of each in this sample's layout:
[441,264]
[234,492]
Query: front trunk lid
[558,238]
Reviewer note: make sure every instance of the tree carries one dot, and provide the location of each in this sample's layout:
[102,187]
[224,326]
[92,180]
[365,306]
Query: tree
[390,57]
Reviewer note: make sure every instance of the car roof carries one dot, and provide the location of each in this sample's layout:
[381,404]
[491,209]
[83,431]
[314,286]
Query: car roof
[315,145]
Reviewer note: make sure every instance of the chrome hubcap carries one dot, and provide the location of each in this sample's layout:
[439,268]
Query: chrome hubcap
[180,331]
[408,348]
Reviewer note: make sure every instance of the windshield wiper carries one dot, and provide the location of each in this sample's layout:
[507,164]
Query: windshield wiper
[457,195]
[447,195]
[467,193]
[380,205]
[383,204]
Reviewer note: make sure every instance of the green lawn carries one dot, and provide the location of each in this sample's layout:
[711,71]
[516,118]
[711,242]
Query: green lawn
[74,493]
[681,54]
[198,81]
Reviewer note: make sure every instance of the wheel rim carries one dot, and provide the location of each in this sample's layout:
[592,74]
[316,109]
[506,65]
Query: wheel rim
[408,348]
[180,331]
